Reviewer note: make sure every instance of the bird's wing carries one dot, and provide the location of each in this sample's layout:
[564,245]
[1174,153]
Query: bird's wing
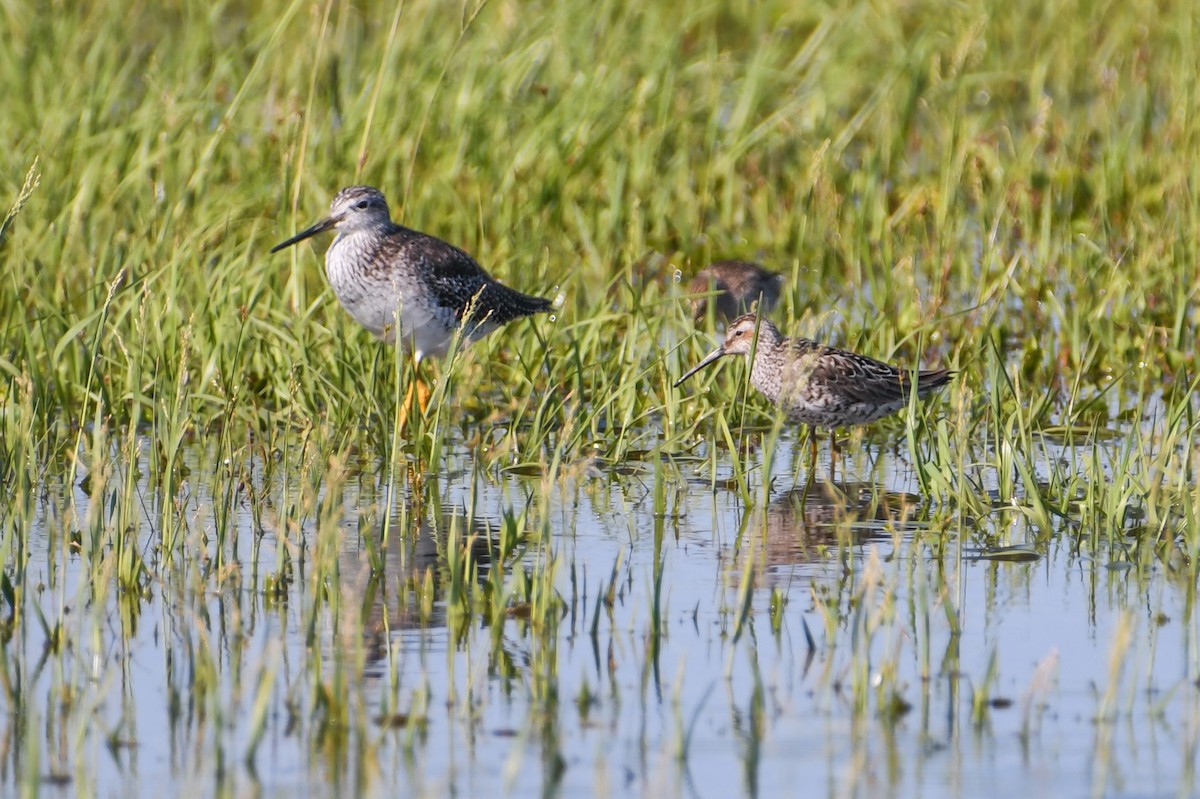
[459,284]
[452,277]
[853,376]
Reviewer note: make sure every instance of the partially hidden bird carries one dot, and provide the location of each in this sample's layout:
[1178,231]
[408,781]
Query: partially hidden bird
[733,288]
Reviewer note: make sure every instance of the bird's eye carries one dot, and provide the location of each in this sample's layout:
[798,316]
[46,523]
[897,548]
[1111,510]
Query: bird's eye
[362,205]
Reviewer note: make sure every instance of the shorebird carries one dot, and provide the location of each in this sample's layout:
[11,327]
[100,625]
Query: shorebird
[407,287]
[737,286]
[818,385]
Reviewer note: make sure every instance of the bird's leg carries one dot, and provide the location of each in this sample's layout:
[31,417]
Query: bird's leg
[832,455]
[402,420]
[812,467]
[423,392]
[416,399]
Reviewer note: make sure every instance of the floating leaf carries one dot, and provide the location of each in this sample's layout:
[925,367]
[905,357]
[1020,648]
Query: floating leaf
[526,469]
[1078,433]
[1019,553]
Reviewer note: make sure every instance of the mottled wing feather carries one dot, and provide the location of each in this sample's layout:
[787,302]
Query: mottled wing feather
[857,378]
[460,285]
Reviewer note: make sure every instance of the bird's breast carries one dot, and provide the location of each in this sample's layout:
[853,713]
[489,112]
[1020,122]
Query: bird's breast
[373,294]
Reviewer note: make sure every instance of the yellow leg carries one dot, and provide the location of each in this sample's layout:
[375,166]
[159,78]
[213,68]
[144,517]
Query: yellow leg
[416,400]
[423,392]
[402,421]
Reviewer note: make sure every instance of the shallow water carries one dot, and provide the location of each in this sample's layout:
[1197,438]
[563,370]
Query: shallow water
[367,684]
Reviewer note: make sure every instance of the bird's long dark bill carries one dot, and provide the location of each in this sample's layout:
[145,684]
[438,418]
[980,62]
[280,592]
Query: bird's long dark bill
[320,227]
[712,356]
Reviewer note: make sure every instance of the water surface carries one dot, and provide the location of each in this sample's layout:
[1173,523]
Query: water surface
[805,641]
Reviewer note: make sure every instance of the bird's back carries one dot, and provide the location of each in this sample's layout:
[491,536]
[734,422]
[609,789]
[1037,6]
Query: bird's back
[827,386]
[736,287]
[457,283]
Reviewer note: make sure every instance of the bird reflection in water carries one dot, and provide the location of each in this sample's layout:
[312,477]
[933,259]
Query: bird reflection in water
[803,525]
[409,589]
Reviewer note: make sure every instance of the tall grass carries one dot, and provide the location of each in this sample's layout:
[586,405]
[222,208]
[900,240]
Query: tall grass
[1008,189]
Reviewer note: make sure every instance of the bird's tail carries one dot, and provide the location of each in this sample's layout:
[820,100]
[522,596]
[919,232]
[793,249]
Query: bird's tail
[498,305]
[931,380]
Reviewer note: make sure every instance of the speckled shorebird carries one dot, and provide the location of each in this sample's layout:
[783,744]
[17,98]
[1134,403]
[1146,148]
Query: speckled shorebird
[737,286]
[407,286]
[819,385]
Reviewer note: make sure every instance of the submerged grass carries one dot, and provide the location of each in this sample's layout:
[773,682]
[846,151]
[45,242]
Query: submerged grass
[1008,189]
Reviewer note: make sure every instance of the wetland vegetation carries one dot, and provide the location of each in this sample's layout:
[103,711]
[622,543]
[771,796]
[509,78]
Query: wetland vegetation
[225,570]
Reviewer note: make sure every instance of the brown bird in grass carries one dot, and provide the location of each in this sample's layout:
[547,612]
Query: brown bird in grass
[819,385]
[733,287]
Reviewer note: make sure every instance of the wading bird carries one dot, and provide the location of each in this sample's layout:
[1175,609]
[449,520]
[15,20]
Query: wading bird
[408,287]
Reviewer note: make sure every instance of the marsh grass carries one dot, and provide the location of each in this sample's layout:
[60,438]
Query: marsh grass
[202,453]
